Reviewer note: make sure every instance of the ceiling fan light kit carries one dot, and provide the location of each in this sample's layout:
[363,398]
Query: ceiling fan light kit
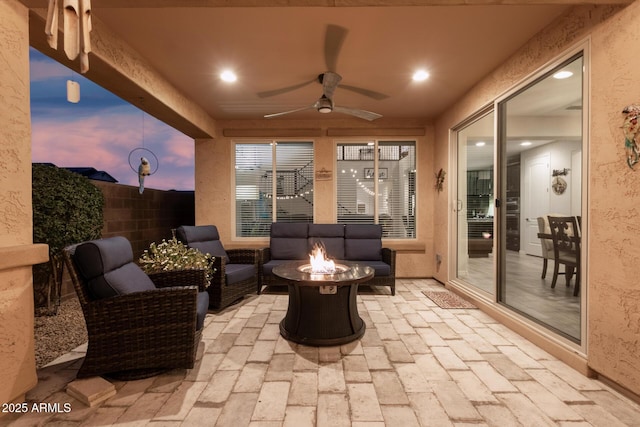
[324,105]
[330,81]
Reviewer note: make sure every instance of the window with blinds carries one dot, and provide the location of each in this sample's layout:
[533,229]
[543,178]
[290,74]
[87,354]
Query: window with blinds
[376,183]
[274,182]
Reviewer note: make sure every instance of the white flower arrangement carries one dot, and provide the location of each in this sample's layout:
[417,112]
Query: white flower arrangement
[172,255]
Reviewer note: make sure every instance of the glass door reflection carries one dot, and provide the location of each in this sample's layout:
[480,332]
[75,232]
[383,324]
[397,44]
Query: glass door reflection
[475,200]
[541,156]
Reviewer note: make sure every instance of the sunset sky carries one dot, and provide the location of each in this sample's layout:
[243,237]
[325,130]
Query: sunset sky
[102,130]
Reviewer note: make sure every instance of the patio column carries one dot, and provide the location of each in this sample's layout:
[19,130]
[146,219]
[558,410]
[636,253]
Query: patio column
[17,253]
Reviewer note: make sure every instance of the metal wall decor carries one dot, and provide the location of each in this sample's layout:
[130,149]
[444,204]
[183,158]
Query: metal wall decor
[630,128]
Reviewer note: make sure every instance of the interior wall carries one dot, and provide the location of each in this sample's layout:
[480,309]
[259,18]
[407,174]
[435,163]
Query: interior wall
[560,157]
[613,349]
[215,173]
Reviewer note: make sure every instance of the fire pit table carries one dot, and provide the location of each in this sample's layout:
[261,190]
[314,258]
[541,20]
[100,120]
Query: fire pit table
[322,306]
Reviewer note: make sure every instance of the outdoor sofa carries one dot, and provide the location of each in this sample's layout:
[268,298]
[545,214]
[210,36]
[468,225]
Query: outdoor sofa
[343,242]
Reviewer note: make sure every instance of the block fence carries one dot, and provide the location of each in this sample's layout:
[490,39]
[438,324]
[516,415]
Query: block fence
[141,218]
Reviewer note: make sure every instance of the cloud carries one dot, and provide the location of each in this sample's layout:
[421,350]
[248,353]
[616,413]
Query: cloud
[43,68]
[103,131]
[113,142]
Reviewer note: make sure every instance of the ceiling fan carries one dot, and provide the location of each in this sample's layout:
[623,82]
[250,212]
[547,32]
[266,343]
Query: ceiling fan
[330,80]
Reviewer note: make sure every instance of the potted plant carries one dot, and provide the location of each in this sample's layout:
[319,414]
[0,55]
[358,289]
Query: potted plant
[172,254]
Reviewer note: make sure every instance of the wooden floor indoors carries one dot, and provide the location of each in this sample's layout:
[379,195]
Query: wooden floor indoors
[528,293]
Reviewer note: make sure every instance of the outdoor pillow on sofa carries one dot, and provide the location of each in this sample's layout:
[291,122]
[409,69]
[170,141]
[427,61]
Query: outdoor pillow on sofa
[363,243]
[331,236]
[288,241]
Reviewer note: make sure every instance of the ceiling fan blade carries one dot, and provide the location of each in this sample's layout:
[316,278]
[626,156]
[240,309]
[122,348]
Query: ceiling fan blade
[330,81]
[366,92]
[308,107]
[363,114]
[282,90]
[332,44]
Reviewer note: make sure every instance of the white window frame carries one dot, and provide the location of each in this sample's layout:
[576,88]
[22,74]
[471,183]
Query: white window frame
[273,142]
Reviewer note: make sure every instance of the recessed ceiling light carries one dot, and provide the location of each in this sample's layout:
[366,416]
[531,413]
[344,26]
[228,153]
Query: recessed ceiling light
[564,74]
[420,75]
[228,76]
[480,144]
[525,143]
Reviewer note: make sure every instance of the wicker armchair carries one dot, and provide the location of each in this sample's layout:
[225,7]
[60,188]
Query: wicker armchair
[138,325]
[237,270]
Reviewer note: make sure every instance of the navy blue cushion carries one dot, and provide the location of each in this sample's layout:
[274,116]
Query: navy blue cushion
[289,248]
[334,246]
[380,267]
[238,272]
[202,305]
[204,238]
[363,242]
[363,231]
[289,240]
[289,229]
[326,230]
[107,267]
[267,267]
[331,236]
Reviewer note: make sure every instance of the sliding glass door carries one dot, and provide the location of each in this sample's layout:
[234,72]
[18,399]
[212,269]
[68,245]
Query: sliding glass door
[475,204]
[507,189]
[541,148]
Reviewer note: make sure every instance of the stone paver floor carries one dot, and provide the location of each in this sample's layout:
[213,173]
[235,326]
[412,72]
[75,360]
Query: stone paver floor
[417,365]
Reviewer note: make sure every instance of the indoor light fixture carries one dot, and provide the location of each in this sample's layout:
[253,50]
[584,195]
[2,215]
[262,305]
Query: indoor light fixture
[525,143]
[480,144]
[564,74]
[228,76]
[420,75]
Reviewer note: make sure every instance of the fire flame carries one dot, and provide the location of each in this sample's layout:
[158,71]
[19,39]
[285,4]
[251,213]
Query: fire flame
[319,261]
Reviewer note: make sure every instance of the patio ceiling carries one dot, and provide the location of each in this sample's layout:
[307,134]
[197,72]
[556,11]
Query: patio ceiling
[275,47]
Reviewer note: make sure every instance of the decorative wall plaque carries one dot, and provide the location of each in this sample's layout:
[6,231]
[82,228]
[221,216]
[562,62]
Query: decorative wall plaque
[324,175]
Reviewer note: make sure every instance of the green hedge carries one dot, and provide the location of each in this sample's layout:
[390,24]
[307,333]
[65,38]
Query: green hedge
[67,209]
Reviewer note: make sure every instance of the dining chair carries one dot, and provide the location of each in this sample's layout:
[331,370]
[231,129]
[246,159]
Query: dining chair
[566,249]
[546,243]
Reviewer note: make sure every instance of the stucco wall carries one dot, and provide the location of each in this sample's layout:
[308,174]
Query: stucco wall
[614,201]
[215,170]
[17,360]
[613,296]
